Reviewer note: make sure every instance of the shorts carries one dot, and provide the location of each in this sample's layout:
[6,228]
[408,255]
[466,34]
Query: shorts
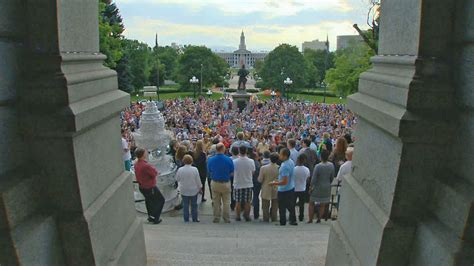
[243,194]
[128,165]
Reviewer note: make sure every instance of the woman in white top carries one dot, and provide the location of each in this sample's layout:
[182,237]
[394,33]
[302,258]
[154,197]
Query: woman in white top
[189,185]
[302,175]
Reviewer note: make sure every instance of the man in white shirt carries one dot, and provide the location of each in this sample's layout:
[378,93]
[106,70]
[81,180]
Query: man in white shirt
[344,170]
[301,174]
[126,155]
[244,168]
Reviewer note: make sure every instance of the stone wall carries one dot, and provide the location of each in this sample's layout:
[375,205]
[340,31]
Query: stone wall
[409,200]
[64,195]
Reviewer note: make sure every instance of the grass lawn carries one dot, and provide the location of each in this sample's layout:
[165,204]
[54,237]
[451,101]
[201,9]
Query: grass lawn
[174,95]
[312,98]
[216,96]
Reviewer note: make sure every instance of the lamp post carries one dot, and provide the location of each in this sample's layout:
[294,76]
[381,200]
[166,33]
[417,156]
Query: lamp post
[200,90]
[209,93]
[324,95]
[287,82]
[194,81]
[158,82]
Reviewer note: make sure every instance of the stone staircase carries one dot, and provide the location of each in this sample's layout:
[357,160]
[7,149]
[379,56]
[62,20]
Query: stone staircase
[174,242]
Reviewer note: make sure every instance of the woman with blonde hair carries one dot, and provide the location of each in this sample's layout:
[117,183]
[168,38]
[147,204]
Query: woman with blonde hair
[180,152]
[200,162]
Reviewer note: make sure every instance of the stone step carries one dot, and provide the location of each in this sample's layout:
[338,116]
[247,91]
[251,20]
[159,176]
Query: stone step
[36,242]
[18,192]
[252,243]
[234,258]
[451,204]
[174,242]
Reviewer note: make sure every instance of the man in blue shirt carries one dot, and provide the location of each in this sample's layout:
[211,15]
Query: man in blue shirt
[286,188]
[220,168]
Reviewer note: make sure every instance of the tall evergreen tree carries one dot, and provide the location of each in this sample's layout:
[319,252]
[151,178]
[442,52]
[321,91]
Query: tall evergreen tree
[110,32]
[112,45]
[124,74]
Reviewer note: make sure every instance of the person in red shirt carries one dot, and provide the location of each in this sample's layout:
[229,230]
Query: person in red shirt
[146,174]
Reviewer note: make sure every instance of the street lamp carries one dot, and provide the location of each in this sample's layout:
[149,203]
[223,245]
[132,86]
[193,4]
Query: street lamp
[194,81]
[209,93]
[324,95]
[200,90]
[287,82]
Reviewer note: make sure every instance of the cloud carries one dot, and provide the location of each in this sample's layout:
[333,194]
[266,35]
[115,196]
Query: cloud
[258,37]
[270,8]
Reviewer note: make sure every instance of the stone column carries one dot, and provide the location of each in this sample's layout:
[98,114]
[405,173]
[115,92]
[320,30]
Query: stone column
[409,200]
[67,198]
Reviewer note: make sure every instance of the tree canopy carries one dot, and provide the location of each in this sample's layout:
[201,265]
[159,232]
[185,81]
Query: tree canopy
[343,79]
[110,33]
[321,60]
[214,68]
[284,61]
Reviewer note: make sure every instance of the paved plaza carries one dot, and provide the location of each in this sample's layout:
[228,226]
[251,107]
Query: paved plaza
[234,82]
[239,243]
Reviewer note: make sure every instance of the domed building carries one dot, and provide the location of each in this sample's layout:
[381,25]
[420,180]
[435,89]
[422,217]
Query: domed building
[242,55]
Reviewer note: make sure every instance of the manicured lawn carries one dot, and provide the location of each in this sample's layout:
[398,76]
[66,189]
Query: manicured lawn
[312,98]
[217,95]
[174,95]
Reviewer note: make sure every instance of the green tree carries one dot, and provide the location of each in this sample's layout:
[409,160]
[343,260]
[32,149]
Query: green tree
[110,32]
[214,68]
[111,43]
[343,79]
[312,74]
[140,60]
[124,74]
[318,59]
[168,57]
[154,73]
[284,61]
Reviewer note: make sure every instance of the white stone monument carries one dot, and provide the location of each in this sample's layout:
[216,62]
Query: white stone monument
[153,137]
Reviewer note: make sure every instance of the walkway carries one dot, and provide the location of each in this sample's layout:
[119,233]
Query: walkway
[234,82]
[254,243]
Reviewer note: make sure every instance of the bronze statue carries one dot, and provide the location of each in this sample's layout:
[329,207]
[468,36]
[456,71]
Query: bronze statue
[243,73]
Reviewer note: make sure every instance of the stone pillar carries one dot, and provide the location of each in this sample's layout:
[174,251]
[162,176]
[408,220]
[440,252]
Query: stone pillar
[409,199]
[64,195]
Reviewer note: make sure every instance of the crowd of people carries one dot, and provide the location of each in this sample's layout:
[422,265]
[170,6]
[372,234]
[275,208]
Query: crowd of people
[273,156]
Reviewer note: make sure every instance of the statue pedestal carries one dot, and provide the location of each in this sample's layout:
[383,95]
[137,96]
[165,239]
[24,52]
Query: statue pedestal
[241,100]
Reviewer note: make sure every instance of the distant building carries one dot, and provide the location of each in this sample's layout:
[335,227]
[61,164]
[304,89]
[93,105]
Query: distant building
[344,41]
[177,47]
[315,45]
[242,55]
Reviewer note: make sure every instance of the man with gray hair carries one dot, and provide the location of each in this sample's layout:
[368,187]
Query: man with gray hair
[347,166]
[344,170]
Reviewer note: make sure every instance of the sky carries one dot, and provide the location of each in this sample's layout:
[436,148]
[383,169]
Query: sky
[217,24]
